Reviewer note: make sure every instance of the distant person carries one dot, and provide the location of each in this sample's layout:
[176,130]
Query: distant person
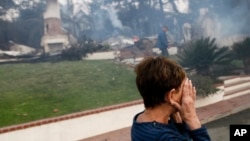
[162,41]
[169,100]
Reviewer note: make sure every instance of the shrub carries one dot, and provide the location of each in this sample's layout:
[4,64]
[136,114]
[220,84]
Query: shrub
[73,53]
[241,51]
[204,84]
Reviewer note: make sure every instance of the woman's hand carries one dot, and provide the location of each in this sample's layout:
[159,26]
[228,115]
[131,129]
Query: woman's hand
[176,117]
[186,107]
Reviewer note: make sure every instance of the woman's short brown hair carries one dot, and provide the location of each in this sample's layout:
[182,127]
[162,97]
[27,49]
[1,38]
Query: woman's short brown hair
[157,76]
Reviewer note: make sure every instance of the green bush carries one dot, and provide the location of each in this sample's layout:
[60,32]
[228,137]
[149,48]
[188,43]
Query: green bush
[204,84]
[73,53]
[241,51]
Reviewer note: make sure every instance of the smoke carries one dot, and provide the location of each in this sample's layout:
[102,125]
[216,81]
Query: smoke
[182,5]
[235,20]
[106,23]
[222,19]
[227,21]
[114,18]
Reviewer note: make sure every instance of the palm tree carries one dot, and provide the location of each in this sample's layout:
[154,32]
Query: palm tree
[242,51]
[202,55]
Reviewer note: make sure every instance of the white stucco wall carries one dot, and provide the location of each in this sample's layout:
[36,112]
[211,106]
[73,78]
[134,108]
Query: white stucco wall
[200,102]
[77,128]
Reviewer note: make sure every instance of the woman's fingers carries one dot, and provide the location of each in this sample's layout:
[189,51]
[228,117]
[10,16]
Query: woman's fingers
[185,91]
[190,87]
[194,93]
[192,90]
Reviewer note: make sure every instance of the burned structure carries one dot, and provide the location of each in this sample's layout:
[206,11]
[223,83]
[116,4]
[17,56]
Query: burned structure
[55,39]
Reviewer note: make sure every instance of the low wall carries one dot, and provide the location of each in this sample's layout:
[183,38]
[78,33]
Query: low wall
[75,126]
[204,101]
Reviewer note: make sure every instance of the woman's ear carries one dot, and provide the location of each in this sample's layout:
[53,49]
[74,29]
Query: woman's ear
[170,96]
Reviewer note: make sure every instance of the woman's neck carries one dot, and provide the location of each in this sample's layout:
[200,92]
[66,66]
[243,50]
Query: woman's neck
[159,114]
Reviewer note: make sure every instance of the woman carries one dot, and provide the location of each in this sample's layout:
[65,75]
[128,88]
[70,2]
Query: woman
[169,100]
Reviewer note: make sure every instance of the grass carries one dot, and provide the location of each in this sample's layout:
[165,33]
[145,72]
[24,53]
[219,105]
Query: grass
[35,91]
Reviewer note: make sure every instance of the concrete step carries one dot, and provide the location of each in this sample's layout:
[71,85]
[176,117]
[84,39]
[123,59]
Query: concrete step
[246,77]
[237,92]
[231,80]
[234,79]
[237,85]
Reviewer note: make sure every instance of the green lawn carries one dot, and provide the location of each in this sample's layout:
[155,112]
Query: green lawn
[33,91]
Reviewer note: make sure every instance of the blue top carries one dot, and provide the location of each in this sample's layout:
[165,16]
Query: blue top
[155,131]
[162,41]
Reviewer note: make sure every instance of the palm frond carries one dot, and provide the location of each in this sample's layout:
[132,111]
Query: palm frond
[202,54]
